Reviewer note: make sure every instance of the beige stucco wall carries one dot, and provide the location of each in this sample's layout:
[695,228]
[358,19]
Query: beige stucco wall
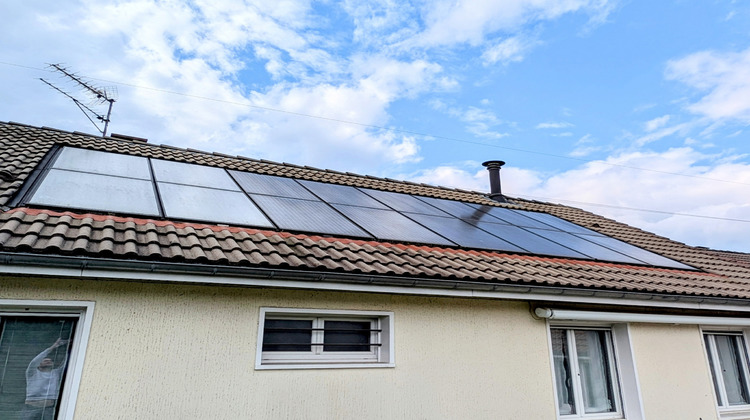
[167,351]
[674,375]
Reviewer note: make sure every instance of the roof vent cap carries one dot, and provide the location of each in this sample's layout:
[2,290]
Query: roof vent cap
[493,166]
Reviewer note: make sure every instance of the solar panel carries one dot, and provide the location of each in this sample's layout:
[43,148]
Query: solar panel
[106,193]
[403,202]
[455,208]
[557,222]
[583,246]
[342,194]
[307,216]
[390,225]
[635,252]
[509,216]
[463,233]
[109,182]
[103,163]
[190,174]
[527,240]
[271,185]
[211,205]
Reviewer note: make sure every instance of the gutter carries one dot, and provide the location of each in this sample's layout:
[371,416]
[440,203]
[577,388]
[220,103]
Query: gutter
[27,264]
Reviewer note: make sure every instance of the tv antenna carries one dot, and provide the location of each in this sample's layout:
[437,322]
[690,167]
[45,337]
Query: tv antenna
[98,96]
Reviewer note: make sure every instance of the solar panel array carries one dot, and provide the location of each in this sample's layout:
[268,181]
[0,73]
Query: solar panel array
[108,182]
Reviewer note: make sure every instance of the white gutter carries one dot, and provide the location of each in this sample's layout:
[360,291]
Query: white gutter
[130,270]
[572,315]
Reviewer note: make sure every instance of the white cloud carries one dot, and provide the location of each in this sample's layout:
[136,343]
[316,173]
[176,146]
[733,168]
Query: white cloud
[656,123]
[698,191]
[508,50]
[448,22]
[561,124]
[724,78]
[479,122]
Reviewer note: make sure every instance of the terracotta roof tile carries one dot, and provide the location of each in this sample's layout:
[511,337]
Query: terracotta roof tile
[722,274]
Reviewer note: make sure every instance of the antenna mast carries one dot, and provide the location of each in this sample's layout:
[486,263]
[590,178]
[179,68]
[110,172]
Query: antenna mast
[99,96]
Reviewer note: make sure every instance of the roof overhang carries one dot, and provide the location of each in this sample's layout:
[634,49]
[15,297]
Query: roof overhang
[38,265]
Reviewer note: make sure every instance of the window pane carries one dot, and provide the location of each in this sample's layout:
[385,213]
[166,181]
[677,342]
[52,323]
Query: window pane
[346,336]
[708,340]
[729,349]
[593,364]
[287,335]
[34,355]
[563,378]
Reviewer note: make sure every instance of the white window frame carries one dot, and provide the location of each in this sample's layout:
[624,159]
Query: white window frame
[726,412]
[622,370]
[84,312]
[317,358]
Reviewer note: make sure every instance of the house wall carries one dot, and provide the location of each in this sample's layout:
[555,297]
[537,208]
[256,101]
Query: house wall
[185,351]
[674,375]
[174,351]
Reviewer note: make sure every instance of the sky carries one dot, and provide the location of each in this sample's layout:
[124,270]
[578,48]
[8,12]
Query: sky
[638,111]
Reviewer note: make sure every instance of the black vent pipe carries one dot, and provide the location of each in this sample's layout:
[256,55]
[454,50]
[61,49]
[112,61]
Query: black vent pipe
[493,166]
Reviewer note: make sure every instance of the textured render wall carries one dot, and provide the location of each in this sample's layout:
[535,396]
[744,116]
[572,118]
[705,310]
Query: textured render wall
[673,370]
[162,351]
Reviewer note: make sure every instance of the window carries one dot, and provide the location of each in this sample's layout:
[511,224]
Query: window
[727,357]
[40,358]
[586,381]
[302,338]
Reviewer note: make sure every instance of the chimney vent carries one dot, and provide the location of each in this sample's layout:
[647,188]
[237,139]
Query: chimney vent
[493,166]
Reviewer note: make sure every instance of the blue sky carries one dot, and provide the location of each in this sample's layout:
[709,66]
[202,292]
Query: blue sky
[635,110]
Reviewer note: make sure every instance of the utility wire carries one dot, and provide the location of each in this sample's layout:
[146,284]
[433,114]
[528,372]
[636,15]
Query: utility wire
[395,130]
[669,213]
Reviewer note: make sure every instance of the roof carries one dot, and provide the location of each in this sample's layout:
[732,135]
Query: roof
[67,233]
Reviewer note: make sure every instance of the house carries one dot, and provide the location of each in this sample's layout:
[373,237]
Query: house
[140,281]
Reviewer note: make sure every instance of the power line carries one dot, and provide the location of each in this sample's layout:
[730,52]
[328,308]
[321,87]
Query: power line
[669,213]
[396,130]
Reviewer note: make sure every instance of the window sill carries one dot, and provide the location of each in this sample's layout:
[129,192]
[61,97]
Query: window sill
[735,413]
[283,366]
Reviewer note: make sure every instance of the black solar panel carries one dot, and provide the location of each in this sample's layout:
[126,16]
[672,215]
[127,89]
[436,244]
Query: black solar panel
[108,182]
[342,194]
[463,233]
[307,216]
[390,225]
[404,203]
[271,185]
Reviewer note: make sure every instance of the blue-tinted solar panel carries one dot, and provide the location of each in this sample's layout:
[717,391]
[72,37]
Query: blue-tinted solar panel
[103,163]
[463,233]
[557,223]
[455,208]
[635,252]
[189,174]
[583,246]
[307,216]
[342,194]
[390,225]
[527,240]
[106,193]
[509,216]
[211,205]
[271,185]
[404,203]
